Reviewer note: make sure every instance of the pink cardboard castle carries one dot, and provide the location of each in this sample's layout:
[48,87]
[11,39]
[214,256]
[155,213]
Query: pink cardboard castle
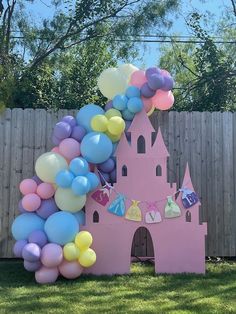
[179,243]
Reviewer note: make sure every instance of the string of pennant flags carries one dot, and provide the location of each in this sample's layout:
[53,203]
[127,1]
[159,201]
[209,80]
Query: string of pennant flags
[134,213]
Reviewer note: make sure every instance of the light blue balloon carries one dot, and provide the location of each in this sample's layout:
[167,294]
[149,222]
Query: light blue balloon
[135,105]
[80,216]
[79,166]
[64,178]
[25,224]
[80,185]
[133,91]
[85,115]
[127,115]
[61,227]
[120,102]
[93,180]
[96,147]
[114,148]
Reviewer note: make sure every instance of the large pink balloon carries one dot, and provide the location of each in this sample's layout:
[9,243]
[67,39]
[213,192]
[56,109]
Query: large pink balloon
[138,78]
[28,186]
[70,270]
[69,148]
[51,255]
[163,100]
[31,202]
[46,275]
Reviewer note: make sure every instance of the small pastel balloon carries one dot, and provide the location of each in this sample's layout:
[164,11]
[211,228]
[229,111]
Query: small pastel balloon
[62,130]
[112,82]
[64,178]
[116,125]
[69,148]
[18,247]
[120,102]
[79,166]
[147,102]
[56,141]
[70,270]
[32,266]
[47,208]
[85,115]
[168,83]
[56,149]
[128,115]
[114,138]
[80,185]
[87,258]
[127,69]
[138,78]
[146,91]
[112,113]
[67,201]
[78,133]
[31,252]
[156,81]
[21,208]
[71,252]
[99,123]
[152,70]
[28,186]
[80,217]
[107,166]
[135,105]
[51,255]
[38,237]
[163,100]
[31,202]
[46,275]
[45,190]
[48,165]
[109,105]
[132,91]
[83,240]
[93,180]
[70,120]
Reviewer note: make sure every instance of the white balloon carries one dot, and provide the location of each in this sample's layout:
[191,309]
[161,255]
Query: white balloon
[127,69]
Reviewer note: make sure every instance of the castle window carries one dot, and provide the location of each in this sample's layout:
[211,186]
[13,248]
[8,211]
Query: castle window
[158,171]
[141,148]
[188,216]
[124,171]
[95,217]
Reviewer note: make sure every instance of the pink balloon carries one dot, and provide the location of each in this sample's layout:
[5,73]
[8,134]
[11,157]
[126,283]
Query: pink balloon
[51,255]
[163,100]
[55,150]
[46,275]
[138,78]
[69,148]
[28,186]
[147,102]
[45,190]
[70,270]
[31,202]
[164,72]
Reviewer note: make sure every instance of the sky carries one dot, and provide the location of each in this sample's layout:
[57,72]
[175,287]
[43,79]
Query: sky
[149,53]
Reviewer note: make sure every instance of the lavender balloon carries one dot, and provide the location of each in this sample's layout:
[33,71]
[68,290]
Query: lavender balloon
[31,252]
[152,70]
[32,266]
[107,166]
[47,208]
[78,133]
[56,141]
[38,237]
[62,130]
[113,176]
[109,105]
[70,120]
[37,180]
[168,83]
[21,208]
[146,91]
[156,81]
[18,247]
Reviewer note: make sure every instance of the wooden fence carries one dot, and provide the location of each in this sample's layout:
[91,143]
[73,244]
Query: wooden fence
[206,140]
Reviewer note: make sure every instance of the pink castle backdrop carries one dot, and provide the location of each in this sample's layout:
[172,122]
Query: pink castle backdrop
[179,243]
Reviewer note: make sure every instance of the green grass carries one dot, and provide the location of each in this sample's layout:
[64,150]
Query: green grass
[139,292]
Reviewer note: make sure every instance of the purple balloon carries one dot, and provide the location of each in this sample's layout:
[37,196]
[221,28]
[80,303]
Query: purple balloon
[39,237]
[146,91]
[107,166]
[152,70]
[31,252]
[18,247]
[32,266]
[70,120]
[21,208]
[109,105]
[47,208]
[168,83]
[37,180]
[56,141]
[113,176]
[156,81]
[62,130]
[78,133]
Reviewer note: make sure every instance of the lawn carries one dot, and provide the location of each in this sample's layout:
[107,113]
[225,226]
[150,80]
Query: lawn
[140,292]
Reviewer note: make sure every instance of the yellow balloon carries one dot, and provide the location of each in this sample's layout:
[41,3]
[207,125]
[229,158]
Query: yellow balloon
[70,252]
[87,258]
[116,125]
[113,138]
[48,165]
[99,123]
[83,240]
[127,69]
[112,82]
[112,113]
[66,200]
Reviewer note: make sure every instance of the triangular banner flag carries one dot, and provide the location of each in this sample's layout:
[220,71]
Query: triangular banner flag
[189,197]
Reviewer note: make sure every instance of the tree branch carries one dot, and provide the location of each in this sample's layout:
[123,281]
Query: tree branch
[234,6]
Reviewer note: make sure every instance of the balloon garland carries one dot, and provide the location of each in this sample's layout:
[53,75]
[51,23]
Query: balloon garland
[47,231]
